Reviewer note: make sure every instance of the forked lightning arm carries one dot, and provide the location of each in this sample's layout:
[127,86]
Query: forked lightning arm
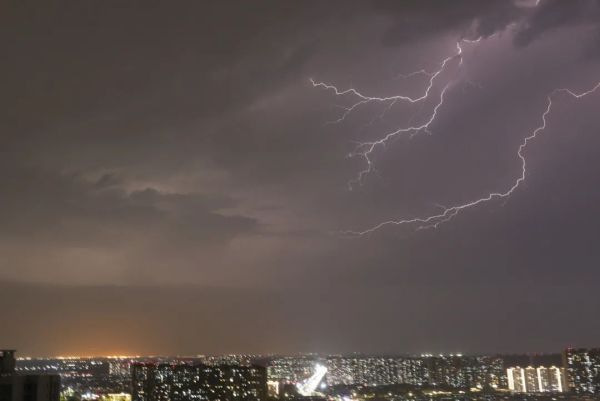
[366,149]
[434,220]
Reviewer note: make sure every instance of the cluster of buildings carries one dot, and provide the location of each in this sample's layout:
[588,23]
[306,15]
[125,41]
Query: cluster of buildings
[578,373]
[536,380]
[185,382]
[425,370]
[582,370]
[338,377]
[108,375]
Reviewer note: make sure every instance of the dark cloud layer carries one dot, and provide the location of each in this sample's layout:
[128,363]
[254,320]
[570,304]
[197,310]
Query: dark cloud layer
[174,157]
[418,20]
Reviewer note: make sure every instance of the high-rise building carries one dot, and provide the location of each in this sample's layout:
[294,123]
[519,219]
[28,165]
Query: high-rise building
[516,379]
[25,387]
[183,382]
[582,367]
[7,361]
[292,369]
[412,371]
[461,371]
[231,359]
[539,379]
[365,370]
[551,380]
[531,384]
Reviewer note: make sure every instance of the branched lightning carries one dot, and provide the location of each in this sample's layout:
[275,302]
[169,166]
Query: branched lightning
[414,74]
[447,213]
[365,150]
[364,99]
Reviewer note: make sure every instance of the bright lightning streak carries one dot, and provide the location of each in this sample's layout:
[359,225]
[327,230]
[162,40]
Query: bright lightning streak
[448,213]
[364,99]
[414,74]
[366,149]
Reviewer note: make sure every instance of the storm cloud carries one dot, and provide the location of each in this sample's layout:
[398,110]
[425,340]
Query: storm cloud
[161,157]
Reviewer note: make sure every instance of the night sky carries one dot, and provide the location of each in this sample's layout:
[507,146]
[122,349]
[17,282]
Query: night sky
[169,182]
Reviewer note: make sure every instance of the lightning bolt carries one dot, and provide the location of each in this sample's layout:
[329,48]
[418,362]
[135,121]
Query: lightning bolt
[366,149]
[448,213]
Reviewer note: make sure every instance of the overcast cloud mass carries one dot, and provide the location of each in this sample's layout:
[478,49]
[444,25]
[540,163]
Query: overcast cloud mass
[169,182]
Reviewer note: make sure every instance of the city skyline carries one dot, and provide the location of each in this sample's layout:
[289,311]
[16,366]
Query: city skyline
[281,176]
[539,358]
[572,374]
[294,354]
